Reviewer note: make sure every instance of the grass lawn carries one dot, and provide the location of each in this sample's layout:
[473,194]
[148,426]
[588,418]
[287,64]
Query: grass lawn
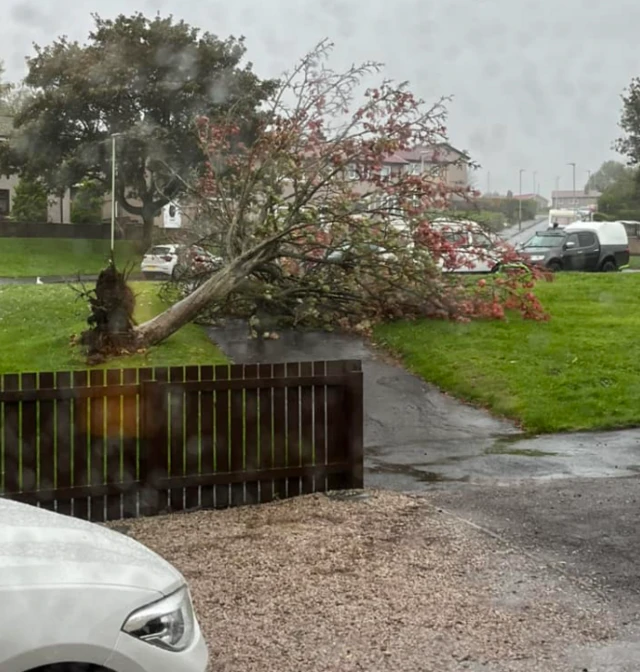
[29,257]
[580,370]
[634,262]
[36,322]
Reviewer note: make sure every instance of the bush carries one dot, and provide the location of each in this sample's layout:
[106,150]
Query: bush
[86,207]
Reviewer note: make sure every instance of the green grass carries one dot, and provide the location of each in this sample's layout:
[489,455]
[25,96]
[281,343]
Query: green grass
[29,257]
[634,262]
[37,321]
[580,370]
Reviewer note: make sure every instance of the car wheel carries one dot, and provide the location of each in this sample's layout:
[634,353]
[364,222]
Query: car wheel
[554,266]
[609,266]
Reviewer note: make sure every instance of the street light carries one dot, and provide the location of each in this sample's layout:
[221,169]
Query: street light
[522,170]
[573,165]
[114,136]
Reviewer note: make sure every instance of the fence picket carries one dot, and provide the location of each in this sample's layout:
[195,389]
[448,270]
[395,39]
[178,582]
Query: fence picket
[47,436]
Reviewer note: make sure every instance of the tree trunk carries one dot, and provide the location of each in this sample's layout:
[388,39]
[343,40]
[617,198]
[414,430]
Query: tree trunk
[217,287]
[147,228]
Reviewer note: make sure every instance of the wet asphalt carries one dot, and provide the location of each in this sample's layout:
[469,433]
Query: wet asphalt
[571,501]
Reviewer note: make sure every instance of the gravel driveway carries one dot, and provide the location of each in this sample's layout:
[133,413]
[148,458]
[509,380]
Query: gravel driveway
[382,583]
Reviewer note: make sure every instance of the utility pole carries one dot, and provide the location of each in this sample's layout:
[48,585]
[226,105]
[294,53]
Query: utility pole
[522,170]
[114,136]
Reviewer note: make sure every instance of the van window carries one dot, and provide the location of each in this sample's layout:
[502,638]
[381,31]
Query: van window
[586,239]
[573,238]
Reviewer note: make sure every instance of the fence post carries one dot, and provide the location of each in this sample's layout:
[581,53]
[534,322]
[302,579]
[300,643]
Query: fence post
[153,445]
[355,431]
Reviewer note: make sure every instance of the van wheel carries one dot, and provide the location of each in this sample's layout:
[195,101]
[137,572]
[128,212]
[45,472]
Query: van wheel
[554,266]
[609,266]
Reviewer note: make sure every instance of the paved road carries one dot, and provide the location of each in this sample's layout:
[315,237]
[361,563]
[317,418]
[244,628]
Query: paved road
[572,502]
[516,234]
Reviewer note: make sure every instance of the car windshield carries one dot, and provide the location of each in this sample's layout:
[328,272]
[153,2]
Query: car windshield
[160,251]
[545,240]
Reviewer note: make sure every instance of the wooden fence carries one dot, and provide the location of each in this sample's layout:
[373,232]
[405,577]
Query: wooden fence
[104,445]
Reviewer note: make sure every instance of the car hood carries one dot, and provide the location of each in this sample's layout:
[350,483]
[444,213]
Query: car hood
[39,547]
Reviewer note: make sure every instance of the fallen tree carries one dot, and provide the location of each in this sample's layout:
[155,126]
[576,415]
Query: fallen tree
[316,225]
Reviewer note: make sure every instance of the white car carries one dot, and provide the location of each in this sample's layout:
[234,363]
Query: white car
[166,261]
[79,597]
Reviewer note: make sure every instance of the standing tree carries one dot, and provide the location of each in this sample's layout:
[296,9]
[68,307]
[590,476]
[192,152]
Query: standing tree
[144,79]
[30,201]
[312,230]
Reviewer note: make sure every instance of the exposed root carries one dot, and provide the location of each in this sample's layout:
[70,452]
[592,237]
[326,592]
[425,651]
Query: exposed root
[111,324]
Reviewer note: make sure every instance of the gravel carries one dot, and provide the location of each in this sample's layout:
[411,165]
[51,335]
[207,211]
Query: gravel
[379,583]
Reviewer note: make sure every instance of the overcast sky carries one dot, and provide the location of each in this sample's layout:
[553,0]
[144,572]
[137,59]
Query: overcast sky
[536,84]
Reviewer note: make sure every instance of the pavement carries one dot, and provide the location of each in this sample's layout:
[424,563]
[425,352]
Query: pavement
[571,502]
[63,279]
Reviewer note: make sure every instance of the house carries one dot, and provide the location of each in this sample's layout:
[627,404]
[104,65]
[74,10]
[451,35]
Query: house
[59,209]
[574,199]
[445,161]
[542,203]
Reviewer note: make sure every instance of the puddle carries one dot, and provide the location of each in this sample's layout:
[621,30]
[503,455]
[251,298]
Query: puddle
[523,452]
[417,474]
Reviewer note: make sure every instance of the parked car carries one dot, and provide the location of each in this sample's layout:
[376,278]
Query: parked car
[581,246]
[77,596]
[170,261]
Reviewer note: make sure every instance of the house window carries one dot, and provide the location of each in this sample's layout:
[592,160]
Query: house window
[386,170]
[352,173]
[5,202]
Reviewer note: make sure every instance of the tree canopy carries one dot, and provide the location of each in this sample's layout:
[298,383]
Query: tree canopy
[606,176]
[146,79]
[629,143]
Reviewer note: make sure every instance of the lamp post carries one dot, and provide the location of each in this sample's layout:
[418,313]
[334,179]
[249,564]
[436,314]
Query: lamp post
[522,170]
[114,136]
[573,166]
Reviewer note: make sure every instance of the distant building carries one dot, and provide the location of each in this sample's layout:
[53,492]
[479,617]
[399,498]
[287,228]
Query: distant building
[541,202]
[574,199]
[59,208]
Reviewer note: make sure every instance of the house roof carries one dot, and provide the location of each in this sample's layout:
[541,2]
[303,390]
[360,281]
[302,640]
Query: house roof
[416,155]
[528,197]
[579,193]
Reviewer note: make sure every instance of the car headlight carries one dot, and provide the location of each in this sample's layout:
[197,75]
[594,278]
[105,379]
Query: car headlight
[168,623]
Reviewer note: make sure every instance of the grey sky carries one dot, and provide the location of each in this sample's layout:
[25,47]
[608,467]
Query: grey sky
[537,84]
